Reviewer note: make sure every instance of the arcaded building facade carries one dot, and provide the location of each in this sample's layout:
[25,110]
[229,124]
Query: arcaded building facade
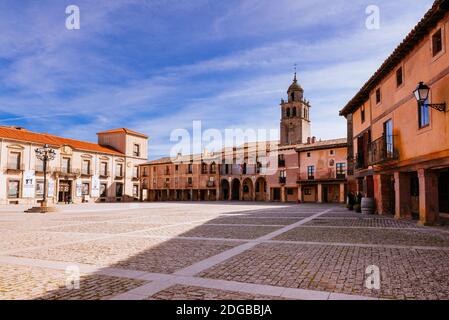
[81,171]
[299,168]
[399,145]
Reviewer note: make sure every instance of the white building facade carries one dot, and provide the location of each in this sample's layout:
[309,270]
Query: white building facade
[81,171]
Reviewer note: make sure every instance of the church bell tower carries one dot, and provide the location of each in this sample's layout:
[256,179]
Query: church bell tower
[295,118]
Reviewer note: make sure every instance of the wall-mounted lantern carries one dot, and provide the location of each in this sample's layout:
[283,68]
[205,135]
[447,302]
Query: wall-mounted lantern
[422,94]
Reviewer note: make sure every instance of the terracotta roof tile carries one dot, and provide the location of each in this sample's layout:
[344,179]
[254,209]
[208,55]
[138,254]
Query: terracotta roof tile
[55,141]
[124,130]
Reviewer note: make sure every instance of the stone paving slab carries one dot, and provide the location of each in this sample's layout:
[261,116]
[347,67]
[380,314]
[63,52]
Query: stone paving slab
[19,241]
[364,222]
[365,235]
[105,227]
[29,283]
[181,292]
[231,232]
[405,274]
[151,255]
[254,221]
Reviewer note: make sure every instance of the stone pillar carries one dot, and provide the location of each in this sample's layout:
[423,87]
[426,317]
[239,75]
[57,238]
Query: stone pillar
[300,194]
[429,210]
[320,193]
[218,194]
[402,196]
[283,195]
[342,193]
[382,193]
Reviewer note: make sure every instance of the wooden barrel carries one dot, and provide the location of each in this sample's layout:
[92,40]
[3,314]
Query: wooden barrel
[368,206]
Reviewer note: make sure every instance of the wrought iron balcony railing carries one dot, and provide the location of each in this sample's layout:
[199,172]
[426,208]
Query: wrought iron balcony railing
[383,150]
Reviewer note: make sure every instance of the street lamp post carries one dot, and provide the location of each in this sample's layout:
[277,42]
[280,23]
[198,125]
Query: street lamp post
[45,154]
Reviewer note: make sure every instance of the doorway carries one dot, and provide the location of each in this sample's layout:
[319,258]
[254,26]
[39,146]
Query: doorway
[65,191]
[236,190]
[443,191]
[325,194]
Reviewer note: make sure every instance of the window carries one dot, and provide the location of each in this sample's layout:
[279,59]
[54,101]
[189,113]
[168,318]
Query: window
[136,150]
[362,114]
[399,77]
[311,172]
[307,191]
[119,170]
[294,112]
[283,174]
[145,171]
[332,152]
[85,189]
[103,190]
[13,188]
[288,112]
[204,168]
[341,170]
[378,96]
[135,191]
[86,167]
[65,165]
[331,162]
[281,160]
[190,181]
[119,189]
[290,191]
[14,160]
[309,154]
[176,168]
[424,114]
[104,169]
[135,171]
[39,166]
[437,42]
[190,168]
[388,132]
[39,188]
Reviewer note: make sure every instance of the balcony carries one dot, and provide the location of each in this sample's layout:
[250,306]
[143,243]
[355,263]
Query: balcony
[86,173]
[282,180]
[322,175]
[189,184]
[211,184]
[382,150]
[105,174]
[67,171]
[14,166]
[119,176]
[360,162]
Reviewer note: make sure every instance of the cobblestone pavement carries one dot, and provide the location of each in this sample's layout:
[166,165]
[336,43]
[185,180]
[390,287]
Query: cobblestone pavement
[216,251]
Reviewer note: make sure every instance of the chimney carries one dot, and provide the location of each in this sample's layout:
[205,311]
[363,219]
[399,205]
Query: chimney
[313,139]
[308,140]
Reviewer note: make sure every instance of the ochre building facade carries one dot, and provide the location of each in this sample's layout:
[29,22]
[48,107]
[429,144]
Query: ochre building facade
[398,145]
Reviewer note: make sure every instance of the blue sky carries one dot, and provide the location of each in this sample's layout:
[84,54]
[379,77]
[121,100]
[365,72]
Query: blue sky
[155,66]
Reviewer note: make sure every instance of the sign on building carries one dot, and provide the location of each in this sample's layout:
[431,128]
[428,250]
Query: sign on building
[51,188]
[79,189]
[29,184]
[95,191]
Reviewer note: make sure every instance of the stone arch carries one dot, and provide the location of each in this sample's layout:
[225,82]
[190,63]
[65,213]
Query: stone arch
[225,190]
[236,190]
[261,189]
[248,190]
